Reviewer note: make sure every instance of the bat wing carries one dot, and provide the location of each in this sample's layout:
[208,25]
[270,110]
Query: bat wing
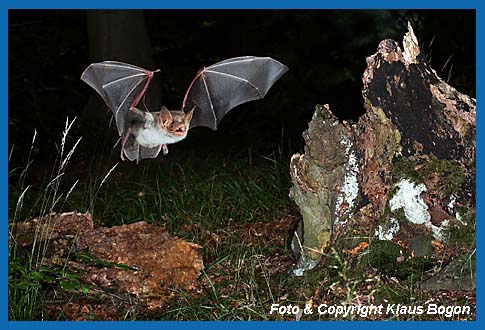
[121,86]
[222,86]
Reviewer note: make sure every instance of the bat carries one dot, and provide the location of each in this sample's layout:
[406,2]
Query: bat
[213,92]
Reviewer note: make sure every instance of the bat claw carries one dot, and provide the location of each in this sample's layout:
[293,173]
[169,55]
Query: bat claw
[165,149]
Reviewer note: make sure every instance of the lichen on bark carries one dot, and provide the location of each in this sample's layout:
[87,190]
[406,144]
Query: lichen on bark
[323,182]
[417,133]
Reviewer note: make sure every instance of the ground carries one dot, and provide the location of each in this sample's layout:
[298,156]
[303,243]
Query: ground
[238,211]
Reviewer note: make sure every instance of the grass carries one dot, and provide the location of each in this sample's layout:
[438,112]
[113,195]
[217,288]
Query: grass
[191,197]
[236,208]
[27,274]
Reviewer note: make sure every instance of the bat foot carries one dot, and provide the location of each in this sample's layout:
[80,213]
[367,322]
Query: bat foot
[165,149]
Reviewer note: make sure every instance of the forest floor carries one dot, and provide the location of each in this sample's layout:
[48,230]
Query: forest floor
[238,211]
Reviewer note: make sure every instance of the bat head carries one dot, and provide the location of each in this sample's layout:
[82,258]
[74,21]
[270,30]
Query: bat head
[175,123]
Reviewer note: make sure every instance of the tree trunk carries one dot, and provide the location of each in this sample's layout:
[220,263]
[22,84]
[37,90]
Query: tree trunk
[404,172]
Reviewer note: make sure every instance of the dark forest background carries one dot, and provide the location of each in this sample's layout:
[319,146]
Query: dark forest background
[226,191]
[324,49]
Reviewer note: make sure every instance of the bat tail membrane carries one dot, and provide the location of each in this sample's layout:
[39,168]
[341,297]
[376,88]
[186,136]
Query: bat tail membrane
[134,151]
[149,152]
[226,84]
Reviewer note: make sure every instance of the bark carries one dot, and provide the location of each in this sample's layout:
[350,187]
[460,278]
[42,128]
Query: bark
[405,169]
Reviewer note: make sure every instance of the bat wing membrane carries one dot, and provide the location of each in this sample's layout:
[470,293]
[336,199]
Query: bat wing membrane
[224,85]
[118,84]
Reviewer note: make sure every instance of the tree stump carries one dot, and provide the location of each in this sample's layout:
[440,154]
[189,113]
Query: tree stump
[405,170]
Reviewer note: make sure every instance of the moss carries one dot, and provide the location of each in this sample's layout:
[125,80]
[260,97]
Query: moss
[405,168]
[321,112]
[416,268]
[464,235]
[398,214]
[383,255]
[343,268]
[392,260]
[306,284]
[450,172]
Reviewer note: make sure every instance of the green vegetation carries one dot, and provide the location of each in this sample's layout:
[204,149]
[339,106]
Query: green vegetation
[232,207]
[393,260]
[191,198]
[466,234]
[449,170]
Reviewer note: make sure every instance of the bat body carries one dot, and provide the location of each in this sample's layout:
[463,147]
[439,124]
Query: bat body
[151,134]
[213,92]
[148,132]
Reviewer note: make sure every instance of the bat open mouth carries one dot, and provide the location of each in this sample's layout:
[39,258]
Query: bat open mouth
[179,130]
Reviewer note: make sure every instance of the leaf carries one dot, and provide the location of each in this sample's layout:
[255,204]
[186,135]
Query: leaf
[361,246]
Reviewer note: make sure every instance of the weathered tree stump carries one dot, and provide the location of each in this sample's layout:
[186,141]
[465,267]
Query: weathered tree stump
[406,169]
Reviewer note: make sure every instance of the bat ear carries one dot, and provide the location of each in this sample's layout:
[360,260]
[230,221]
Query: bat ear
[188,116]
[165,116]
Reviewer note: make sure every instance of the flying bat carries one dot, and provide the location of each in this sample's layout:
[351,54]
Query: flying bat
[213,92]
